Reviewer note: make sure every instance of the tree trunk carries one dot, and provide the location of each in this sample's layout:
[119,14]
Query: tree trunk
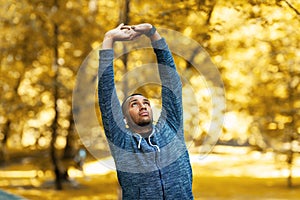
[290,158]
[3,153]
[71,145]
[125,18]
[53,154]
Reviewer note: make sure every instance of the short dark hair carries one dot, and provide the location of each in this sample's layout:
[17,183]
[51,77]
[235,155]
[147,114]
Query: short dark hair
[124,102]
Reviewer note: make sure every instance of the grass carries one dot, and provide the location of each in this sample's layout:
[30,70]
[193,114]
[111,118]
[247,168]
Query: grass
[220,188]
[204,187]
[92,188]
[208,184]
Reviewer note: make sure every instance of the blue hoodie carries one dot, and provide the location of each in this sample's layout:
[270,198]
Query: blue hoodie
[157,167]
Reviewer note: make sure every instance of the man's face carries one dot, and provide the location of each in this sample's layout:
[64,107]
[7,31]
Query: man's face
[139,110]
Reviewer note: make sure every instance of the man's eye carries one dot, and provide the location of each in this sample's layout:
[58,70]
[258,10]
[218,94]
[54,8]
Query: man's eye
[133,104]
[147,103]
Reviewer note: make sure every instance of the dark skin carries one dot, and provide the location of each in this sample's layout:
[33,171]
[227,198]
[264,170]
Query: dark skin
[127,33]
[138,113]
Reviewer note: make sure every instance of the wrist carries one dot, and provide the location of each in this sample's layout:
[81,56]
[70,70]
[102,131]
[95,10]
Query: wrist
[151,32]
[108,36]
[108,42]
[155,37]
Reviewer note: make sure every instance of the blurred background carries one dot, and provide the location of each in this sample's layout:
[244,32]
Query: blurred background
[255,45]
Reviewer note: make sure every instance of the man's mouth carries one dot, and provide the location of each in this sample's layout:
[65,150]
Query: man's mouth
[144,113]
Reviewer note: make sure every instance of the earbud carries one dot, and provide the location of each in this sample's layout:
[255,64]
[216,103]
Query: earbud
[126,125]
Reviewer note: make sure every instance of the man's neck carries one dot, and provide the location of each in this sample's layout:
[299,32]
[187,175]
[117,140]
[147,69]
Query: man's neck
[144,131]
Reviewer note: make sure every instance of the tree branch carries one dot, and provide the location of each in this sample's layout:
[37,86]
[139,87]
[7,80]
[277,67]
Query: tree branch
[292,7]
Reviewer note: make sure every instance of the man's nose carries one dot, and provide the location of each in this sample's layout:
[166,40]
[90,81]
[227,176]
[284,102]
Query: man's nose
[142,106]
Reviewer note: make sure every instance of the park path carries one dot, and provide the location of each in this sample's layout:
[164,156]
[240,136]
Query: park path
[7,196]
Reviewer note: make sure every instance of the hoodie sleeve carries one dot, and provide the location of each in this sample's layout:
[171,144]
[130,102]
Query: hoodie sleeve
[171,85]
[111,111]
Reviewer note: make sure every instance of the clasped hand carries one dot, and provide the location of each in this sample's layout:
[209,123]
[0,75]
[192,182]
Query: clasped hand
[127,32]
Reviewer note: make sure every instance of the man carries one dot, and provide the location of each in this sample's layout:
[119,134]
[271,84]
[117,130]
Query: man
[152,161]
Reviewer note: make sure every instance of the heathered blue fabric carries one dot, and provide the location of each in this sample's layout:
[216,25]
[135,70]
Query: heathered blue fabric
[147,171]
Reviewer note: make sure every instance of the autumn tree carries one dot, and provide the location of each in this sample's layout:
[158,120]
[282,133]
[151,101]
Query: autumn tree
[257,52]
[44,46]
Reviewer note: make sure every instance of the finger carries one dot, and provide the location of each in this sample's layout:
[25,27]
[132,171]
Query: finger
[136,35]
[120,25]
[126,27]
[126,31]
[136,28]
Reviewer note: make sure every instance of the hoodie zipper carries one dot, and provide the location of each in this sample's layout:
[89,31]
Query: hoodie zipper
[160,177]
[157,150]
[158,168]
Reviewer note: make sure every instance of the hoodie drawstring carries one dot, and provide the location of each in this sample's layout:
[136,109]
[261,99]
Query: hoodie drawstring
[153,145]
[157,147]
[140,141]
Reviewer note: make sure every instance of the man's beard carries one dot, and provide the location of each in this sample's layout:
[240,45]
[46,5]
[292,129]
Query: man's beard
[145,123]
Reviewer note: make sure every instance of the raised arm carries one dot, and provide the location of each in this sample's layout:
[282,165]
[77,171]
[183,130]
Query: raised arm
[112,116]
[171,83]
